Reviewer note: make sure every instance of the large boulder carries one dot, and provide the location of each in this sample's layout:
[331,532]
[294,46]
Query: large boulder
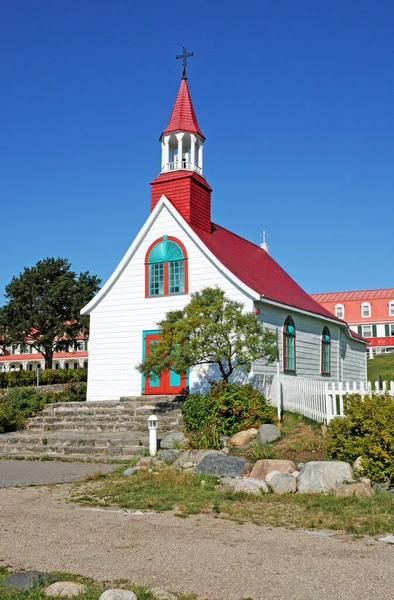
[319,476]
[172,441]
[267,433]
[24,580]
[282,483]
[242,438]
[246,484]
[363,489]
[193,456]
[267,465]
[66,589]
[219,464]
[169,456]
[117,594]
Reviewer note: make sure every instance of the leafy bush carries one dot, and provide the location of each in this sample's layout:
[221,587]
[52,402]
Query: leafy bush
[20,403]
[13,379]
[224,410]
[73,392]
[366,430]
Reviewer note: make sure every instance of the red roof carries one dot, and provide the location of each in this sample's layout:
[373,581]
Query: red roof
[382,341]
[355,295]
[56,355]
[183,117]
[259,271]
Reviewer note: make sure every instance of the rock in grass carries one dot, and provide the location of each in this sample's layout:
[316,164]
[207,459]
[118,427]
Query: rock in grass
[193,456]
[169,456]
[242,438]
[160,594]
[361,490]
[267,433]
[267,465]
[116,594]
[323,476]
[173,441]
[130,471]
[282,483]
[219,464]
[246,484]
[66,589]
[24,580]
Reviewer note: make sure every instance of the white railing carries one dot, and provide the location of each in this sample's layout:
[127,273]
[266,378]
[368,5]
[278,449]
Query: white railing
[316,399]
[188,166]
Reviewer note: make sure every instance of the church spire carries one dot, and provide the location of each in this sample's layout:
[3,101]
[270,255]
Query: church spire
[181,177]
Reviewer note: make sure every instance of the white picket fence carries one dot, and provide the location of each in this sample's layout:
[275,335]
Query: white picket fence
[318,400]
[336,392]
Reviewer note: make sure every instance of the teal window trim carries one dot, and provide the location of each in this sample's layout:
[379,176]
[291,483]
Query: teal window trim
[326,352]
[289,346]
[166,269]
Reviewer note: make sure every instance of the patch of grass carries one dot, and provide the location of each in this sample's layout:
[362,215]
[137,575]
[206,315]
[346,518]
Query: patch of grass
[183,493]
[381,365]
[94,589]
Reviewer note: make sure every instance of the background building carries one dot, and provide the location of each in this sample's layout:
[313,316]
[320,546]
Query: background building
[20,357]
[368,312]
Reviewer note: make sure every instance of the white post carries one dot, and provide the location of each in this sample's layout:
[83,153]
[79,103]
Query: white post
[38,375]
[152,427]
[193,139]
[200,157]
[179,137]
[279,394]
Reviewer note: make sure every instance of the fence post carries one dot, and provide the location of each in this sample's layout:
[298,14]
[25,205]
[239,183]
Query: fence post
[279,393]
[328,402]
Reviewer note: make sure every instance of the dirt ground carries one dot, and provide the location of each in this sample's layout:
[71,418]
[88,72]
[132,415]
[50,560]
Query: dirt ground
[211,557]
[29,472]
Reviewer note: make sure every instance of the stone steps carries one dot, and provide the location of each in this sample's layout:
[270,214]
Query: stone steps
[93,430]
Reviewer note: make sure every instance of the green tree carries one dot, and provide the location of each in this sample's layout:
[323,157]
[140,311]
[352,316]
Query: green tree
[211,330]
[43,305]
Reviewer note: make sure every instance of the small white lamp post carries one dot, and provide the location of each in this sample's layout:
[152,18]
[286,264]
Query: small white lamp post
[152,427]
[38,374]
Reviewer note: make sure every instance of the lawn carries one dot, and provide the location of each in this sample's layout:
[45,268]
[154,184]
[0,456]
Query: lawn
[381,365]
[186,494]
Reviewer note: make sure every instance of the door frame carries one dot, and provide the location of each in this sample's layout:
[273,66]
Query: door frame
[162,389]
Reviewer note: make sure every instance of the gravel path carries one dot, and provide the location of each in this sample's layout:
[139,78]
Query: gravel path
[29,472]
[211,557]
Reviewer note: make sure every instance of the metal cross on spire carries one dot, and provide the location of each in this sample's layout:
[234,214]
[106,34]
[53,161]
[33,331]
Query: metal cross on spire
[184,56]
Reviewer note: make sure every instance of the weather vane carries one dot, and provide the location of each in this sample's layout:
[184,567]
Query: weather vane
[184,56]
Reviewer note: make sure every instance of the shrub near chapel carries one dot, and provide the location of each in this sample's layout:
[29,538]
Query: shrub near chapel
[366,430]
[227,408]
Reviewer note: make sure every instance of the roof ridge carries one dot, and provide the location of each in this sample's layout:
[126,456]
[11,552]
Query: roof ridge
[353,291]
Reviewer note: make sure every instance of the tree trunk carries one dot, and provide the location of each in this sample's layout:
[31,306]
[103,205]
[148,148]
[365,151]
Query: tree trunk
[48,355]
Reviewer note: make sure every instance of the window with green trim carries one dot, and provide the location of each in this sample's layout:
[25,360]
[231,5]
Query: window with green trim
[326,352]
[166,269]
[289,345]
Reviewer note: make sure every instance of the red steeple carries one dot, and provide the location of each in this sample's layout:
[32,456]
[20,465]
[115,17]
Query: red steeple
[183,117]
[181,178]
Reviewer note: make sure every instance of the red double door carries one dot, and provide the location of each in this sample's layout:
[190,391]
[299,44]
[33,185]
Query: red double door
[169,382]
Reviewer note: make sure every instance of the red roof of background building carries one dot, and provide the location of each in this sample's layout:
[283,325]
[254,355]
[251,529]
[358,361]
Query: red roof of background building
[355,295]
[183,117]
[382,341]
[258,270]
[56,355]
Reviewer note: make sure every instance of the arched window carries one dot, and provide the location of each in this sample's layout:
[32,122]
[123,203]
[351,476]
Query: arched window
[166,270]
[326,352]
[289,338]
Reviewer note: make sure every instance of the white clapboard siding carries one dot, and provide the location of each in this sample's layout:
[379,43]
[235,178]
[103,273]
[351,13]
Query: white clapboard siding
[117,322]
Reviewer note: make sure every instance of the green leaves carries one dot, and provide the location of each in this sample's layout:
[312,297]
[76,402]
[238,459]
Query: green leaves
[43,304]
[211,330]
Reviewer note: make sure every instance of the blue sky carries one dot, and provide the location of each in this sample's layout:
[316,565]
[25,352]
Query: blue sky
[296,100]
